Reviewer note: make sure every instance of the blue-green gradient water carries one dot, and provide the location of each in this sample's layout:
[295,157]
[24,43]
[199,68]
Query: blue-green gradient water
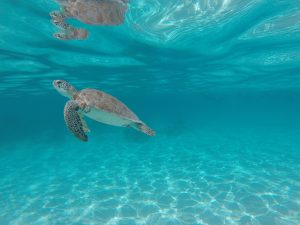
[218,80]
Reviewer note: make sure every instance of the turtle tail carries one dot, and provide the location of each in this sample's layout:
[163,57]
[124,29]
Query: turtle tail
[143,128]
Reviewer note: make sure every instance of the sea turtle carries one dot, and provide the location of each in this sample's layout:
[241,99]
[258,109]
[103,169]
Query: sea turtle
[95,12]
[96,105]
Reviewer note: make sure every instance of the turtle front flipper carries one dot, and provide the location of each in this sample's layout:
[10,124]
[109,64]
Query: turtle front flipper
[68,32]
[74,121]
[84,124]
[58,19]
[71,33]
[60,16]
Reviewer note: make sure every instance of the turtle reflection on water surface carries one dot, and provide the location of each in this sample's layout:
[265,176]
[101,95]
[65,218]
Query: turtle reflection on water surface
[94,12]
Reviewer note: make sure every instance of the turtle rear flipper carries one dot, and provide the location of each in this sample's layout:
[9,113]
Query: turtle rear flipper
[74,121]
[143,128]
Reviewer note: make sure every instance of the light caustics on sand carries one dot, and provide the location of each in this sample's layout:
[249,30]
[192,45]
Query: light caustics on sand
[219,179]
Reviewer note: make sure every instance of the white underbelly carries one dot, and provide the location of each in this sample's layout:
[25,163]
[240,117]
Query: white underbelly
[107,118]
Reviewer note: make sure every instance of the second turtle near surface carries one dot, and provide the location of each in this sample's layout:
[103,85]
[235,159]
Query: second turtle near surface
[96,105]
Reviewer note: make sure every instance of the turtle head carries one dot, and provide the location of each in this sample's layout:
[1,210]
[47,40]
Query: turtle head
[64,88]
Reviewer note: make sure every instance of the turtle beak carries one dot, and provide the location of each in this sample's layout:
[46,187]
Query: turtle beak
[54,83]
[62,88]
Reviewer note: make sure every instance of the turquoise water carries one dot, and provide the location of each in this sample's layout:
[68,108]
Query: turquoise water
[219,82]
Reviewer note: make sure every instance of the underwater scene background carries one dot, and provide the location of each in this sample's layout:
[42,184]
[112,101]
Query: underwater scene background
[219,82]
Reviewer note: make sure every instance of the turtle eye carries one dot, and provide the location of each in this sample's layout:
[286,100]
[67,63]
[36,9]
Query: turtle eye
[58,83]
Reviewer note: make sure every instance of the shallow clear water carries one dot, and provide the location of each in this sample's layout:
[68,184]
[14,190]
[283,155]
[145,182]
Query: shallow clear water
[219,81]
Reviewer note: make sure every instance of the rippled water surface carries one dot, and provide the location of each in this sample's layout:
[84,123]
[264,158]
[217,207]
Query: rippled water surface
[219,82]
[183,44]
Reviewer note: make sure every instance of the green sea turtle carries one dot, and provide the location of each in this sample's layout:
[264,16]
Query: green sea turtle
[96,105]
[95,12]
